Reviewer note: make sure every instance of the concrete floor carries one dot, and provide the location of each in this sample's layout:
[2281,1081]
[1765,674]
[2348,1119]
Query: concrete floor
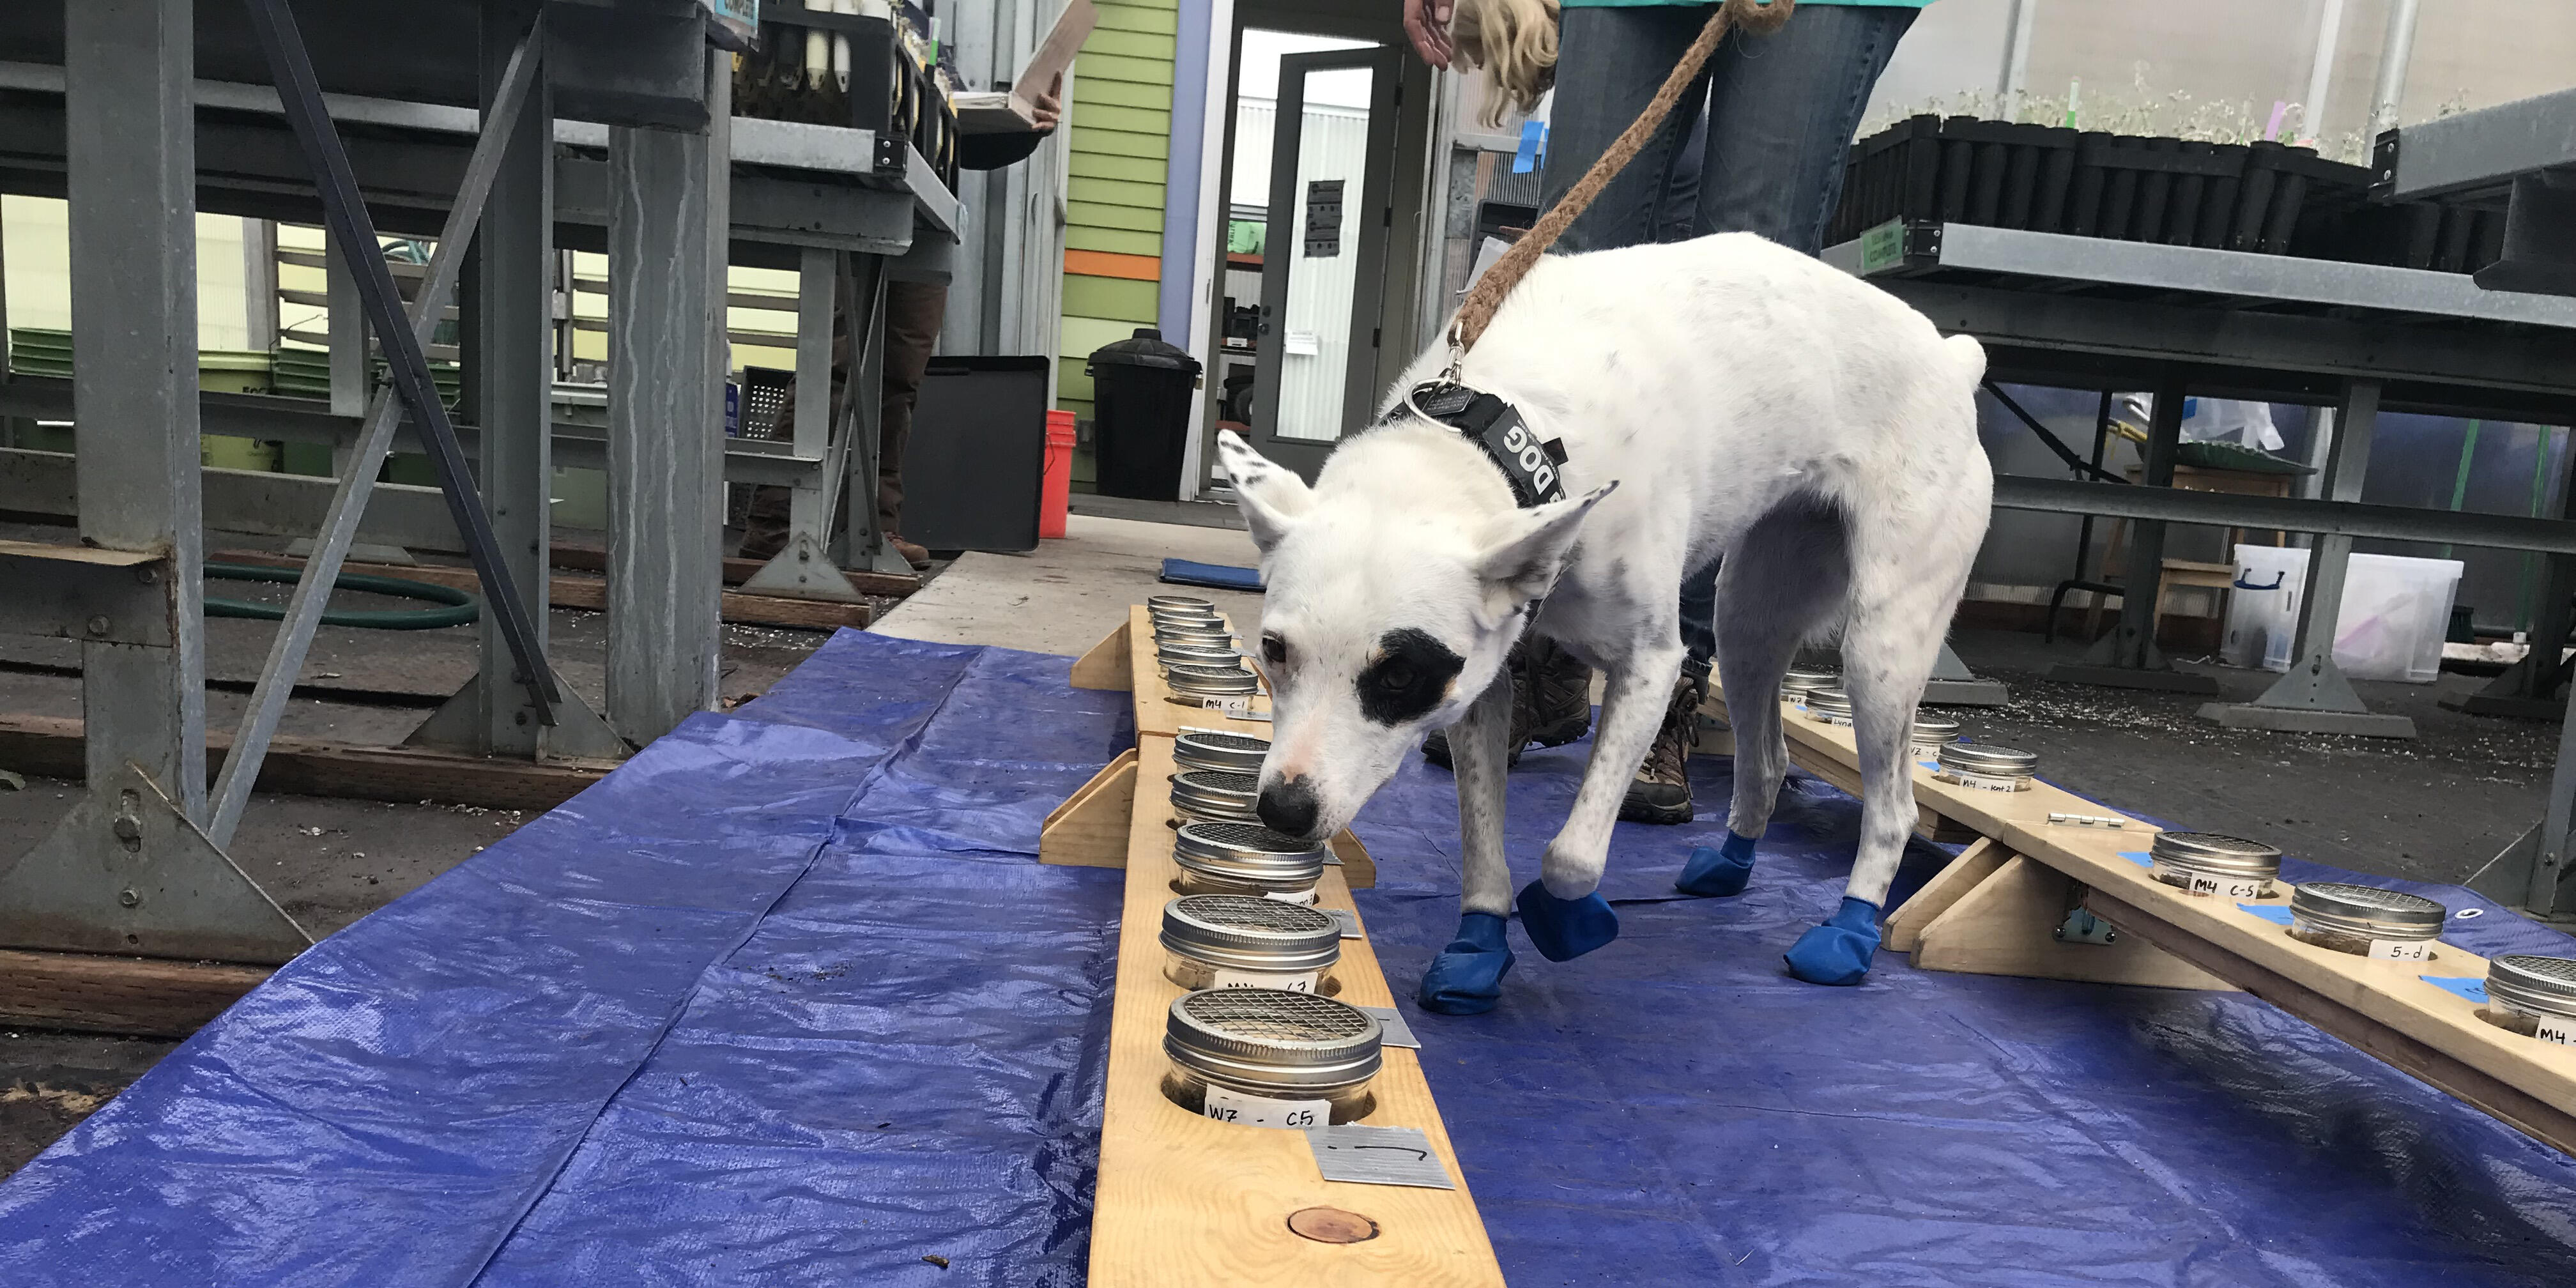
[2434,809]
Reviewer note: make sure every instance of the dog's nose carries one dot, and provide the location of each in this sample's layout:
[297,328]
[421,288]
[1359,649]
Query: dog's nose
[1288,807]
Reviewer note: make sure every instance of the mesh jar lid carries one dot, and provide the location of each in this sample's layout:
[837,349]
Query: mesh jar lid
[1197,655]
[2367,911]
[2534,983]
[1250,933]
[1238,753]
[1934,729]
[1264,1038]
[1988,759]
[1800,679]
[1224,793]
[1206,617]
[1829,702]
[1203,680]
[1201,636]
[1167,603]
[1249,852]
[2217,855]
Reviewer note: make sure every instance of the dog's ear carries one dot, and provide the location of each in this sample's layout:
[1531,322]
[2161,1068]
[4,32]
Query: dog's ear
[1525,550]
[1270,497]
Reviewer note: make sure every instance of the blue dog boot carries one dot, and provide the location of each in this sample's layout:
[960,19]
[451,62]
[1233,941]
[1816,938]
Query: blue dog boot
[1838,952]
[1718,873]
[1564,929]
[1467,977]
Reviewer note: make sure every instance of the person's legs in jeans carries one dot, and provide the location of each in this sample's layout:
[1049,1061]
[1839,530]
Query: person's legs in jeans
[914,312]
[1782,110]
[1610,61]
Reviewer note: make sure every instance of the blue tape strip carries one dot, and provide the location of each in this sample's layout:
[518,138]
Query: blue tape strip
[2139,857]
[1533,146]
[2468,986]
[2279,913]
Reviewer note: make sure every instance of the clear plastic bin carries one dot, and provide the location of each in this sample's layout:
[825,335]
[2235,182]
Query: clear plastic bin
[2395,612]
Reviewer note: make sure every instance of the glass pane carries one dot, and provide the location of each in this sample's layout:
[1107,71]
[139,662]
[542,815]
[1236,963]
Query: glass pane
[1322,254]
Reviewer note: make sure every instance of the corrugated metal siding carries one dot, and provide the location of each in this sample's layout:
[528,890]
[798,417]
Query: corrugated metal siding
[1119,126]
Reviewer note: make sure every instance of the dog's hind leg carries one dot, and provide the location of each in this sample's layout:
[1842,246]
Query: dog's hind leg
[1563,911]
[1467,977]
[1899,613]
[1784,586]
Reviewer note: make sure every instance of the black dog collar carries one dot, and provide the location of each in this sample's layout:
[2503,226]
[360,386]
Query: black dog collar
[1490,423]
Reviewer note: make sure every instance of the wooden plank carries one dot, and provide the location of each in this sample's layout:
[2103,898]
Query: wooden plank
[2383,1007]
[1904,927]
[132,996]
[1090,828]
[51,746]
[591,593]
[2004,927]
[1106,666]
[1359,871]
[1184,1200]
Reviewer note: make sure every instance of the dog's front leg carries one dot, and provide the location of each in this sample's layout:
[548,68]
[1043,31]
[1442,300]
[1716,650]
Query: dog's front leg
[1467,977]
[1563,910]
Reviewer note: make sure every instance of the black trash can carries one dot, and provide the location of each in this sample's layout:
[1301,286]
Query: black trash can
[1140,415]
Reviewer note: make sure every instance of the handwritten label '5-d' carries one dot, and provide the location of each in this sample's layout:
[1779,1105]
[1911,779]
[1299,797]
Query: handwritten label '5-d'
[1228,1106]
[2401,950]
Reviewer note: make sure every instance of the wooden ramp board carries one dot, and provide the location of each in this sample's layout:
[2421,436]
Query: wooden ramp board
[1183,1200]
[1156,713]
[2386,1008]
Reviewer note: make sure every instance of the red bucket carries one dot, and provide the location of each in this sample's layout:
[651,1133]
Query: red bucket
[1055,492]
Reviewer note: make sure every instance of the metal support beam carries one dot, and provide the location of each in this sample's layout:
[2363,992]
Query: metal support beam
[508,324]
[2128,657]
[2315,697]
[666,369]
[346,216]
[862,545]
[129,870]
[804,566]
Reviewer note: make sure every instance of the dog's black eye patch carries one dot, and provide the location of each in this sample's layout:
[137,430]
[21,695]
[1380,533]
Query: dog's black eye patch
[1409,678]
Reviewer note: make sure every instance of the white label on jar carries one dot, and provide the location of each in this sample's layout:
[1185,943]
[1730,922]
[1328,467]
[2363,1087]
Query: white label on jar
[1306,896]
[1827,717]
[1229,1106]
[2204,883]
[2558,1029]
[1293,982]
[1237,705]
[1984,782]
[2401,950]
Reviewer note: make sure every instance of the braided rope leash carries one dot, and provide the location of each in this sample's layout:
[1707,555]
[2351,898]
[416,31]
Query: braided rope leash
[1473,315]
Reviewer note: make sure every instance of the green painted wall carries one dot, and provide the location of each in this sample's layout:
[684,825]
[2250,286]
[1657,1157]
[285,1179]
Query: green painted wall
[1119,127]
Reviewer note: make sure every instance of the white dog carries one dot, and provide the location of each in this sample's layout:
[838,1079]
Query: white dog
[1717,397]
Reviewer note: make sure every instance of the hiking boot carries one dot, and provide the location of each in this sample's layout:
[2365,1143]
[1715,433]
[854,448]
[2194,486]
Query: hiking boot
[1661,792]
[918,557]
[1556,693]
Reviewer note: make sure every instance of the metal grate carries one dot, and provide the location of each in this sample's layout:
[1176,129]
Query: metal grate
[1249,912]
[2372,897]
[764,398]
[2556,970]
[2214,843]
[1223,780]
[1250,837]
[1230,742]
[1262,1015]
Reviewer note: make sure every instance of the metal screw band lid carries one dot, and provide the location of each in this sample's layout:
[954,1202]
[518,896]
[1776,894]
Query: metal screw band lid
[1174,603]
[1188,622]
[1248,852]
[2215,854]
[1246,932]
[1238,753]
[1935,729]
[1830,702]
[1197,655]
[2367,911]
[2534,983]
[1185,632]
[1800,679]
[1268,1038]
[1210,681]
[1988,759]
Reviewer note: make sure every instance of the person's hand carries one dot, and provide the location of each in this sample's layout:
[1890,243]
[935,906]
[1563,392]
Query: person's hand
[1427,22]
[1048,108]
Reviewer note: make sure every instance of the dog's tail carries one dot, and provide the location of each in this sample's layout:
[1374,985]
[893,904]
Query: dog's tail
[1969,356]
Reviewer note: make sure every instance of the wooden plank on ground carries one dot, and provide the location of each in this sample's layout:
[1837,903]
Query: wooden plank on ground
[1183,1200]
[2384,1007]
[51,746]
[133,996]
[591,593]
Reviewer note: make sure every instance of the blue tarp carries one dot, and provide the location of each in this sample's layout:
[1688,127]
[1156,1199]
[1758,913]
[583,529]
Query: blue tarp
[788,1001]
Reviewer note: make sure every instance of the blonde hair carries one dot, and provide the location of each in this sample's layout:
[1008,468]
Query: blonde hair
[1514,41]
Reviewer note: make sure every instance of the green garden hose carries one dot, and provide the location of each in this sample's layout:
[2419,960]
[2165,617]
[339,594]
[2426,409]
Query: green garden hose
[458,606]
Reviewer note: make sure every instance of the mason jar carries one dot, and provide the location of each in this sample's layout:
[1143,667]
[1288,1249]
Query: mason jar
[2366,921]
[1261,1057]
[1986,767]
[2208,863]
[1246,941]
[1246,859]
[1220,750]
[1216,796]
[2534,996]
[1829,706]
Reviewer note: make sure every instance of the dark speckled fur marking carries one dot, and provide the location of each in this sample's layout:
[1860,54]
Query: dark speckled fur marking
[1410,676]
